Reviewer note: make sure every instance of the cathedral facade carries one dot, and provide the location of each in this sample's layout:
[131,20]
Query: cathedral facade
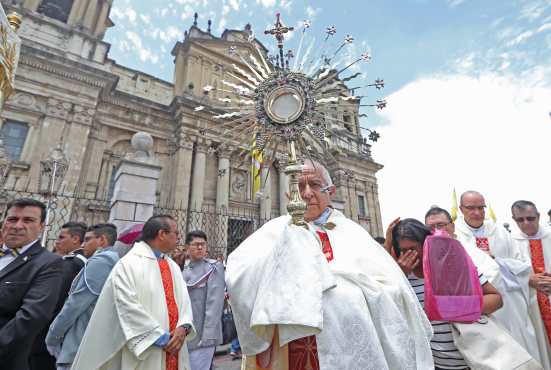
[70,93]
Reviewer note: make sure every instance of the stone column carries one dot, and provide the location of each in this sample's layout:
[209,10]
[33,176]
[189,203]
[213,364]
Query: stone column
[223,181]
[100,22]
[266,200]
[50,132]
[90,15]
[198,180]
[182,174]
[77,12]
[283,188]
[223,198]
[134,195]
[76,141]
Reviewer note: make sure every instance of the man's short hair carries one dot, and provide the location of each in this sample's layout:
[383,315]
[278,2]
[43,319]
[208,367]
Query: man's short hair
[155,224]
[28,202]
[523,204]
[105,229]
[76,229]
[549,213]
[195,234]
[438,211]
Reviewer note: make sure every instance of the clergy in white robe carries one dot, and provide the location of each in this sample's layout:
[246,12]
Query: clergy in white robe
[325,297]
[143,315]
[492,250]
[534,243]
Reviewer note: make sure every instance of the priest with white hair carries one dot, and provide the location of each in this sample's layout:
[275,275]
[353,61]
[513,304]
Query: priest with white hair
[323,297]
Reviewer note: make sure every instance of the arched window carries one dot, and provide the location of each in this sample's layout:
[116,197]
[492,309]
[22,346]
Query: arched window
[57,9]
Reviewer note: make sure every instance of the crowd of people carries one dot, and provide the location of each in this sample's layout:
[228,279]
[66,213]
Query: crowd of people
[439,293]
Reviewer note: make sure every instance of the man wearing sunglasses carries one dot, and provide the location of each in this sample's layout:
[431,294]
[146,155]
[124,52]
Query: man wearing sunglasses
[534,242]
[505,269]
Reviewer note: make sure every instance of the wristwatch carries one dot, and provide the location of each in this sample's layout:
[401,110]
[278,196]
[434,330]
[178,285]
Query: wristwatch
[187,328]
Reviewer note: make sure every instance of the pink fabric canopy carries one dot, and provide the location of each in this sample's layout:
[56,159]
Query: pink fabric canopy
[452,286]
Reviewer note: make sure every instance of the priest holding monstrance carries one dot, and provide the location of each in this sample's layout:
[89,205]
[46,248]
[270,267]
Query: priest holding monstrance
[325,296]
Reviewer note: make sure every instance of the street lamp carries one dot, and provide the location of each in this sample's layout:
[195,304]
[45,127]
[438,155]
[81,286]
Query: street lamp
[52,172]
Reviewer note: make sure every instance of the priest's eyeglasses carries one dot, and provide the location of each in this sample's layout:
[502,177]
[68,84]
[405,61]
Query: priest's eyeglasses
[525,219]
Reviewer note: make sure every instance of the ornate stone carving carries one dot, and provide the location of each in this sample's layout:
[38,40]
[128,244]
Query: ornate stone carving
[58,109]
[238,184]
[83,115]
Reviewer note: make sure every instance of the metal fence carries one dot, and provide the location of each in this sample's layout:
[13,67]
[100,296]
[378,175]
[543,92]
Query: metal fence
[225,228]
[62,208]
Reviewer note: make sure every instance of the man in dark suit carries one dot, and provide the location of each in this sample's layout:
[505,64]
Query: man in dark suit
[30,281]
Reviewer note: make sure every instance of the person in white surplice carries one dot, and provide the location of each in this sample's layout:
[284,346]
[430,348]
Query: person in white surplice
[143,315]
[534,243]
[323,297]
[494,254]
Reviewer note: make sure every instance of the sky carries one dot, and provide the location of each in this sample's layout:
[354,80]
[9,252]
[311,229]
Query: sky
[468,84]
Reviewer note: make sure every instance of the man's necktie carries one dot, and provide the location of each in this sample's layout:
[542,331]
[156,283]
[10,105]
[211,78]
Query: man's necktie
[9,252]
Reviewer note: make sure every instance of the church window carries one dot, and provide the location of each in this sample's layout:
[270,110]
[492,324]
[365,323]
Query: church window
[57,9]
[361,206]
[111,189]
[14,135]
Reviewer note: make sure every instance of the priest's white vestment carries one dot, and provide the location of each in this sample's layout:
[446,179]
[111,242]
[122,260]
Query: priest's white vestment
[522,242]
[509,275]
[131,314]
[359,306]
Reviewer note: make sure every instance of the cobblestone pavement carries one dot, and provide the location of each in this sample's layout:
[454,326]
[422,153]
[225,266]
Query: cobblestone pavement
[225,362]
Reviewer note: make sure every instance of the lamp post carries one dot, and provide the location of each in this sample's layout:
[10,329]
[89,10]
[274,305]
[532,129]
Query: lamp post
[52,172]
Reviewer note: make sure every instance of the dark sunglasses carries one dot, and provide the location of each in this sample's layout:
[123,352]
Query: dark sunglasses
[527,219]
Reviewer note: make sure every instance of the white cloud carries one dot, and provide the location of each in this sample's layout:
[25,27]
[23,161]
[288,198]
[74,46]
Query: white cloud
[144,53]
[266,3]
[122,14]
[234,4]
[520,38]
[489,133]
[454,3]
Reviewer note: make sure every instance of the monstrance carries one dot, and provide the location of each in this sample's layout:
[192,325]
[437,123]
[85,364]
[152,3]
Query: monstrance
[283,104]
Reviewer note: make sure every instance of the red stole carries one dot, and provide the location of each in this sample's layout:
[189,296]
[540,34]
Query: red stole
[538,264]
[166,275]
[483,243]
[303,352]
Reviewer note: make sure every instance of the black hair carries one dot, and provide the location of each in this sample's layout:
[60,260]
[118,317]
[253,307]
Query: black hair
[379,239]
[195,234]
[76,229]
[107,230]
[28,202]
[438,211]
[155,224]
[410,229]
[523,204]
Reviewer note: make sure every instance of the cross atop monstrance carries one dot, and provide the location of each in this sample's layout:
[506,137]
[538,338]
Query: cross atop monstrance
[279,32]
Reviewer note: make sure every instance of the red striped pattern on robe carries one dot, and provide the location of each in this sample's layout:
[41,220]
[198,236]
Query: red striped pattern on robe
[172,307]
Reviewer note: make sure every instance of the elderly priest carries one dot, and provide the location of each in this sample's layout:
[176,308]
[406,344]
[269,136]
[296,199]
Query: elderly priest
[324,297]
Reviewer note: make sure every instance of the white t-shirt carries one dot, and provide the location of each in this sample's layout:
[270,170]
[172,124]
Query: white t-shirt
[444,351]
